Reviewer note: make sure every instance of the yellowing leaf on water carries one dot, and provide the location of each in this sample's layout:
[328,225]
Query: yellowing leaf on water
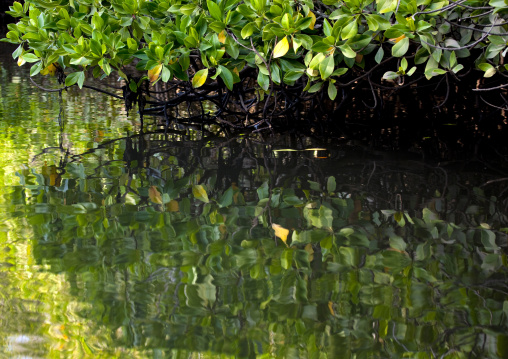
[154,195]
[199,192]
[222,37]
[199,78]
[281,48]
[313,22]
[281,232]
[308,248]
[330,307]
[49,70]
[154,73]
[397,39]
[173,206]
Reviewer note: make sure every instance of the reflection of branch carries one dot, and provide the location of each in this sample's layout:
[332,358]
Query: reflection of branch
[48,90]
[103,91]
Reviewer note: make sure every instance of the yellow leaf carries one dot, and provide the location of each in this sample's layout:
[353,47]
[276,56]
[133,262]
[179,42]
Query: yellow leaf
[313,22]
[222,37]
[281,48]
[154,73]
[21,62]
[330,307]
[173,206]
[308,248]
[199,78]
[397,39]
[200,193]
[49,70]
[280,232]
[154,195]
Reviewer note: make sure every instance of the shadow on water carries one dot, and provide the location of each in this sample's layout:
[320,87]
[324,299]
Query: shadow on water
[170,241]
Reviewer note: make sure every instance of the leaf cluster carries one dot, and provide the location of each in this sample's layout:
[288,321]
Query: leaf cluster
[285,41]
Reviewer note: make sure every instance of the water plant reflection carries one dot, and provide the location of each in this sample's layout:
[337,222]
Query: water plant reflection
[223,247]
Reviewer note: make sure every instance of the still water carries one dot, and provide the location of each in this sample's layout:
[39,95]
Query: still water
[122,241]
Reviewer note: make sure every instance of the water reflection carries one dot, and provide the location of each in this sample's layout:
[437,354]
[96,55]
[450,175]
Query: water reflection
[175,241]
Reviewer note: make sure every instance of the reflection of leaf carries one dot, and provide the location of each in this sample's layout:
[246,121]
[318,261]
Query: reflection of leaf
[395,260]
[227,198]
[207,290]
[172,206]
[154,195]
[330,307]
[280,232]
[331,184]
[199,192]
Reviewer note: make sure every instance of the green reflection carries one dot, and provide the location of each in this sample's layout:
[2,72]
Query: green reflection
[174,244]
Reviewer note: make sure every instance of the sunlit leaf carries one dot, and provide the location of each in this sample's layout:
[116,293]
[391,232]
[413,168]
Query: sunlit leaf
[199,78]
[313,22]
[154,73]
[280,232]
[281,48]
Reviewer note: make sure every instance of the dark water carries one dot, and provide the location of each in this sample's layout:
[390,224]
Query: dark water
[184,243]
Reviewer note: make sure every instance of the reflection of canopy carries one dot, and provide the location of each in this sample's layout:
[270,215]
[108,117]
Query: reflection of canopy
[176,250]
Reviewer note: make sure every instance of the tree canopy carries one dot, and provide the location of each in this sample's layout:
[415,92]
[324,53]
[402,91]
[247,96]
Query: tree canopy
[315,46]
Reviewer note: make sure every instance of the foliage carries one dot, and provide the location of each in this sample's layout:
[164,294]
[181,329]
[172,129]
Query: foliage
[285,42]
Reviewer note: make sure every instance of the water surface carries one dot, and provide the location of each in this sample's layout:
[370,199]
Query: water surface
[125,241]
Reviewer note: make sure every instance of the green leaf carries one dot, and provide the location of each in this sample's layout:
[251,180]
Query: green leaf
[347,51]
[199,78]
[372,23]
[332,91]
[30,57]
[35,69]
[326,67]
[215,10]
[248,30]
[263,81]
[227,198]
[316,87]
[379,55]
[350,30]
[292,76]
[226,76]
[331,185]
[401,47]
[75,77]
[166,74]
[303,24]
